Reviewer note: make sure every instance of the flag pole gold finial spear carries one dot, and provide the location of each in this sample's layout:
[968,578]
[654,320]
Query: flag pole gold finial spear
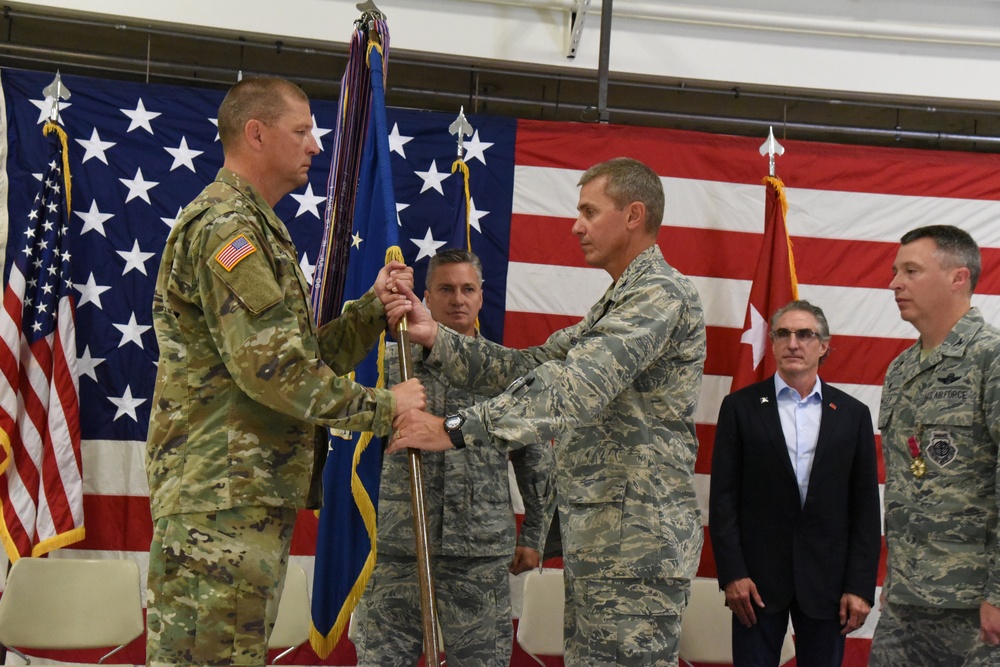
[55,91]
[461,128]
[770,148]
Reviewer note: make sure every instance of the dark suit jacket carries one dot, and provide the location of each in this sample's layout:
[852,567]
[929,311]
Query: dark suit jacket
[816,552]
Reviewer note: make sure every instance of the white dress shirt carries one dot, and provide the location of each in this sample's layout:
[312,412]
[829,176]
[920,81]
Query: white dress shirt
[800,417]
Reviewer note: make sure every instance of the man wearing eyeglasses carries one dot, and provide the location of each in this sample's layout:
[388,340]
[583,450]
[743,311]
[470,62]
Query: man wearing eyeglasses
[794,504]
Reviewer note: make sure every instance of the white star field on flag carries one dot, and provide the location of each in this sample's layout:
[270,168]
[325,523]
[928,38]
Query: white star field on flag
[139,154]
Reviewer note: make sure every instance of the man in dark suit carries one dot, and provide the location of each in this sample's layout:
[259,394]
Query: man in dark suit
[794,507]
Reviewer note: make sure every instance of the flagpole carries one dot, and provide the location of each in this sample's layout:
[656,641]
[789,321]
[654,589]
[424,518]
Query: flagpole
[425,577]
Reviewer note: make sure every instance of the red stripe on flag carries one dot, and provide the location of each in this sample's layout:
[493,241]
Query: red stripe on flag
[706,566]
[304,535]
[706,444]
[116,523]
[63,468]
[721,344]
[692,251]
[10,324]
[852,359]
[818,166]
[712,252]
[521,330]
[865,263]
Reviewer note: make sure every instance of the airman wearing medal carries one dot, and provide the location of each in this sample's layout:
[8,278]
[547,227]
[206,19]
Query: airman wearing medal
[940,422]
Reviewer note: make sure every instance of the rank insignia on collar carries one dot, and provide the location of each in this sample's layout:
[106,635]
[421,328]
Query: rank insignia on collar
[763,400]
[950,378]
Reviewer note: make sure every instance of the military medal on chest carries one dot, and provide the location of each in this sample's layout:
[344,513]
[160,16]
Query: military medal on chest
[917,466]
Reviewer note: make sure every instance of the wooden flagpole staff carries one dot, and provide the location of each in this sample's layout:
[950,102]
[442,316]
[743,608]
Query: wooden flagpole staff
[370,13]
[425,576]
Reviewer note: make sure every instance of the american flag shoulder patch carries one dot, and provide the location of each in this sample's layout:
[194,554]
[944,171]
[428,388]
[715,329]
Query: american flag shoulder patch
[234,252]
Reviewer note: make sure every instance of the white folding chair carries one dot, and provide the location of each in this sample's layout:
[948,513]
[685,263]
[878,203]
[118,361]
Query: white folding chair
[291,627]
[706,627]
[62,603]
[540,628]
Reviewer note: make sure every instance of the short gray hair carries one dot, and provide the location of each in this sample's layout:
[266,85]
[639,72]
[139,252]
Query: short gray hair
[806,307]
[454,256]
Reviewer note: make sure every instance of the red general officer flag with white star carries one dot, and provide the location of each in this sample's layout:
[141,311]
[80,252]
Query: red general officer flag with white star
[774,285]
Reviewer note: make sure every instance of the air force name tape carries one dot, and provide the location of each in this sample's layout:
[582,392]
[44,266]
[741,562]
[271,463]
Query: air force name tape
[235,251]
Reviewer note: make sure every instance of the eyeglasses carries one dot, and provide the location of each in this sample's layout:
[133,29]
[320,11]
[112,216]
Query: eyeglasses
[802,335]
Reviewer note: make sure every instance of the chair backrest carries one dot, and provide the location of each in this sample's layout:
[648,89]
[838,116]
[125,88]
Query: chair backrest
[706,627]
[291,627]
[540,628]
[63,603]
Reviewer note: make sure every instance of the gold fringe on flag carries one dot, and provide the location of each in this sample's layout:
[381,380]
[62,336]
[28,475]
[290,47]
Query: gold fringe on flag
[49,128]
[365,507]
[459,165]
[779,187]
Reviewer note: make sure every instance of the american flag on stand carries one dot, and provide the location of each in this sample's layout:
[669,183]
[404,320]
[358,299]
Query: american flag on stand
[41,479]
[140,152]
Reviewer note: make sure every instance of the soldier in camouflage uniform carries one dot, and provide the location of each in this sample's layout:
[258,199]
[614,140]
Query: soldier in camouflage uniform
[244,380]
[617,391]
[940,422]
[471,527]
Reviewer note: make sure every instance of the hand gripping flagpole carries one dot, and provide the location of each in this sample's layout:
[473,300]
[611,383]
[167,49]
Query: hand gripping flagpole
[425,576]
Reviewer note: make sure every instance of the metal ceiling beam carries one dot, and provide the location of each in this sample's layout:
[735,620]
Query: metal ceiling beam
[576,20]
[603,62]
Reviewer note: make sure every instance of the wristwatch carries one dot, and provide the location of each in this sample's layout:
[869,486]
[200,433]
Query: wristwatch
[453,427]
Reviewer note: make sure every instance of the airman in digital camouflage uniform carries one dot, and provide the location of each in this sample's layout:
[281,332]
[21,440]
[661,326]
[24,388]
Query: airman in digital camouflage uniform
[244,380]
[471,527]
[940,422]
[617,391]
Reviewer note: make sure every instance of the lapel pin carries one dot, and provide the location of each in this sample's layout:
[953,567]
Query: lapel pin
[763,400]
[833,406]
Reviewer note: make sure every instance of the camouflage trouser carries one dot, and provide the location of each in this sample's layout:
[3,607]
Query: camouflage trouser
[627,622]
[473,601]
[214,582]
[930,637]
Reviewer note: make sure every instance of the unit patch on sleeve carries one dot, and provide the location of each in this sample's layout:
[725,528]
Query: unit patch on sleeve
[234,251]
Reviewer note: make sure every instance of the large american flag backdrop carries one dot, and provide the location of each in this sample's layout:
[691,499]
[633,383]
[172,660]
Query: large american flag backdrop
[139,153]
